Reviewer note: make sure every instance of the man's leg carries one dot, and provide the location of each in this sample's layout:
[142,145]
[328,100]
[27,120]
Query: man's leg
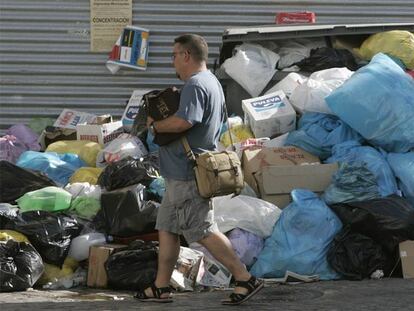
[220,247]
[167,258]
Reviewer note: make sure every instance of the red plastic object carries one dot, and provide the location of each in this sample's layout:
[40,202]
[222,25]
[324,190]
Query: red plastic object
[411,73]
[295,18]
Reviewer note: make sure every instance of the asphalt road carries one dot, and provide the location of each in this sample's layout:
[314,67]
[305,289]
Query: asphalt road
[385,294]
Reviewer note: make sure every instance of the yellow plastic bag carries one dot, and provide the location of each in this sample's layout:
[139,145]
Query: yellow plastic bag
[86,174]
[86,150]
[239,133]
[397,43]
[53,273]
[6,235]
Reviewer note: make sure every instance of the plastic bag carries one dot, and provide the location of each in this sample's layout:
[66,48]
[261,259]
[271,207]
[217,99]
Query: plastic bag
[20,266]
[356,256]
[86,174]
[352,151]
[293,51]
[352,182]
[250,214]
[123,146]
[300,239]
[87,150]
[326,57]
[11,148]
[128,171]
[239,133]
[363,102]
[49,233]
[157,187]
[39,124]
[7,212]
[59,167]
[49,199]
[317,133]
[246,245]
[127,213]
[84,189]
[6,235]
[25,135]
[398,43]
[402,165]
[53,273]
[134,268]
[85,207]
[79,248]
[388,221]
[252,66]
[310,95]
[16,181]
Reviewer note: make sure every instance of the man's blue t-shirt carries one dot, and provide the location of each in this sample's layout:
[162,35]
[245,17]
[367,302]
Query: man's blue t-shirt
[201,104]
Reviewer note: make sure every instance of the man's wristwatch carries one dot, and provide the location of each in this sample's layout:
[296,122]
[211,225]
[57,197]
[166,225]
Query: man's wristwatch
[152,128]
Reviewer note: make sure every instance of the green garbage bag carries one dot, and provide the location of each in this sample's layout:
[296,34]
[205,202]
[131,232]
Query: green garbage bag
[85,207]
[39,124]
[49,199]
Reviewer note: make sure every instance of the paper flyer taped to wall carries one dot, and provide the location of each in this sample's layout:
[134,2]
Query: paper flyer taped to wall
[130,50]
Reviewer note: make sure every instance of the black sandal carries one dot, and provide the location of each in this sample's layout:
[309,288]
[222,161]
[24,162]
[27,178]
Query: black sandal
[253,286]
[156,292]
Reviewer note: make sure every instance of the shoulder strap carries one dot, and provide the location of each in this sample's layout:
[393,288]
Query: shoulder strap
[189,153]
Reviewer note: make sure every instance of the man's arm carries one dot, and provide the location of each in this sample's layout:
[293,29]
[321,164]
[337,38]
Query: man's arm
[172,124]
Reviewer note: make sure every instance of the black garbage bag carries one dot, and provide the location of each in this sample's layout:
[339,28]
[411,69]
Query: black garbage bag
[357,256]
[388,220]
[326,57]
[129,171]
[20,266]
[134,268]
[16,181]
[49,233]
[127,213]
[7,213]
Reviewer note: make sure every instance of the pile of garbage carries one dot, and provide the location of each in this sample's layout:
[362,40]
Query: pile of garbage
[328,161]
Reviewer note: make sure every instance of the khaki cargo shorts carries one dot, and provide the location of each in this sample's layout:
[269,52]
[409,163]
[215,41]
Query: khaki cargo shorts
[184,211]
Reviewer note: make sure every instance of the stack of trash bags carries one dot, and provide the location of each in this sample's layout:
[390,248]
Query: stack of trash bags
[356,109]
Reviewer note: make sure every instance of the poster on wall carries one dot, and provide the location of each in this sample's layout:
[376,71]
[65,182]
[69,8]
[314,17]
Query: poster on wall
[108,19]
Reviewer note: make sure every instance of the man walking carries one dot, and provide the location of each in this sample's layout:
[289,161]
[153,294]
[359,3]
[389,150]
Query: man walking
[183,210]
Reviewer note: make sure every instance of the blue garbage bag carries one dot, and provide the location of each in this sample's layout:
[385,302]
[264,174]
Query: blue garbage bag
[402,165]
[318,132]
[352,151]
[300,239]
[352,182]
[58,167]
[378,102]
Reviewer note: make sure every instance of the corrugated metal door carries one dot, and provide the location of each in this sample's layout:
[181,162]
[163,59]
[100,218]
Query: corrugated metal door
[46,64]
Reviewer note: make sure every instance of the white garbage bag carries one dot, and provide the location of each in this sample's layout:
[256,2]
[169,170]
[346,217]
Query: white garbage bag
[310,96]
[251,214]
[253,66]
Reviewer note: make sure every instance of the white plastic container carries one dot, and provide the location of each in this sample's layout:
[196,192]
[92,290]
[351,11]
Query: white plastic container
[269,115]
[79,248]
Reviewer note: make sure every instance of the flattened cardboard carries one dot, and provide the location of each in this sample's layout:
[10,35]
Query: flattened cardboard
[407,259]
[98,254]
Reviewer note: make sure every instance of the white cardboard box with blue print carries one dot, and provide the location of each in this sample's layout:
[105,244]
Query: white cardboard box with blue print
[269,115]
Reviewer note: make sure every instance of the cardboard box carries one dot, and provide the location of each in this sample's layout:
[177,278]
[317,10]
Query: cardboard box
[69,119]
[254,160]
[98,254]
[407,259]
[276,182]
[269,115]
[99,133]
